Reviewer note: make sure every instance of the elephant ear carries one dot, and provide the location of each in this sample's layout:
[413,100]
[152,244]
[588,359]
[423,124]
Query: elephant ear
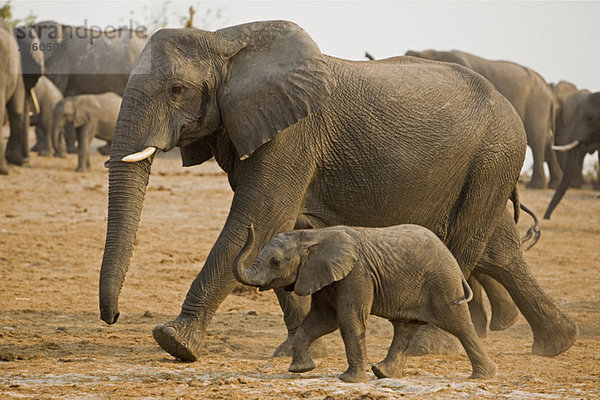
[331,257]
[278,78]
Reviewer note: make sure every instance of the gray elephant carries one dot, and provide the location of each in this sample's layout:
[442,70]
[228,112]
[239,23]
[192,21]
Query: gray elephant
[86,61]
[531,96]
[21,64]
[48,96]
[571,100]
[402,273]
[92,115]
[337,142]
[584,130]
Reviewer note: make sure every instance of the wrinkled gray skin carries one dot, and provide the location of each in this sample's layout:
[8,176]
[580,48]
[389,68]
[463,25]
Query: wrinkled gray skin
[571,100]
[584,130]
[20,67]
[402,273]
[92,115]
[337,141]
[83,61]
[531,96]
[48,96]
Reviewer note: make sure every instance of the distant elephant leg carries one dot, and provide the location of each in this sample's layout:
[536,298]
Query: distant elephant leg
[504,311]
[85,134]
[3,166]
[537,139]
[553,165]
[553,331]
[295,308]
[44,141]
[476,307]
[597,183]
[70,137]
[17,147]
[39,140]
[392,365]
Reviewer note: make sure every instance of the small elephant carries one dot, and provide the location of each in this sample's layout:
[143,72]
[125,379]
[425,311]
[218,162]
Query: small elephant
[93,115]
[403,273]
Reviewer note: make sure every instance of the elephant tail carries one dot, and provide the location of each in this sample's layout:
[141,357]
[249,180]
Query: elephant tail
[533,231]
[468,293]
[514,197]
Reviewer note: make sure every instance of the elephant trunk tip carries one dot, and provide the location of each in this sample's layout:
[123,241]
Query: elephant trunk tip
[111,319]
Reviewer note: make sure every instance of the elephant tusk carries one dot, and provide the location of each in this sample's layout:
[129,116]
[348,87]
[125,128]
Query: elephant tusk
[139,156]
[566,147]
[34,99]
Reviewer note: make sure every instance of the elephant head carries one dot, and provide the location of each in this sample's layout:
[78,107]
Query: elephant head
[585,131]
[303,261]
[194,89]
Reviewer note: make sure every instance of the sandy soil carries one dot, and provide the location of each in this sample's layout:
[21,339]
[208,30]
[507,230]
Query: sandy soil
[53,344]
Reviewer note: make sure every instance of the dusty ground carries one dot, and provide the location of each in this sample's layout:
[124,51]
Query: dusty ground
[53,344]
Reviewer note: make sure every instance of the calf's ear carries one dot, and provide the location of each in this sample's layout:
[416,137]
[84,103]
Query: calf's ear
[331,258]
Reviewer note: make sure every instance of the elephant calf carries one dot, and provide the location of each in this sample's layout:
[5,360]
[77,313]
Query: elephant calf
[93,115]
[403,273]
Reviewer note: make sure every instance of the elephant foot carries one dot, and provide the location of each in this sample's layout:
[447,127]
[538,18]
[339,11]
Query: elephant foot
[556,340]
[354,375]
[430,340]
[44,153]
[179,338]
[536,184]
[60,154]
[16,159]
[36,147]
[304,365]
[104,150]
[486,370]
[72,150]
[387,370]
[504,318]
[553,184]
[81,169]
[318,349]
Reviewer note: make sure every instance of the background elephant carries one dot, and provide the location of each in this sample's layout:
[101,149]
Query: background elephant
[531,96]
[48,96]
[21,64]
[84,61]
[340,142]
[584,130]
[92,115]
[401,273]
[571,100]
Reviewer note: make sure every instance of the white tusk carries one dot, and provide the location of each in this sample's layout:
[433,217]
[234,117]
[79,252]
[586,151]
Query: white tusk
[139,156]
[566,147]
[34,98]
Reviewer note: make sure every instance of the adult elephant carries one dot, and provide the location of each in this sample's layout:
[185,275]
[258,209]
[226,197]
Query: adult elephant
[48,96]
[571,100]
[584,129]
[334,141]
[21,64]
[86,61]
[531,96]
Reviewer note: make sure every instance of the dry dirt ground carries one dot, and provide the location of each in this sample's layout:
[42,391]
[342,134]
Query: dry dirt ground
[54,345]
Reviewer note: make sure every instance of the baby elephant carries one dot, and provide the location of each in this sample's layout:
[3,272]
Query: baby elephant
[402,273]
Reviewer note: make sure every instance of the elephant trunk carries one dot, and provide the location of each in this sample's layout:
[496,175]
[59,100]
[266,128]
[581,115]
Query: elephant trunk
[126,192]
[573,158]
[239,270]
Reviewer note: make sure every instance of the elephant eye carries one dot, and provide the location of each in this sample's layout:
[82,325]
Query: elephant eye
[275,262]
[176,90]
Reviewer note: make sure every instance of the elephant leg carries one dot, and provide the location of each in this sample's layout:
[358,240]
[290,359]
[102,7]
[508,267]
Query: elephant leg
[70,137]
[320,321]
[82,150]
[476,307]
[295,308]
[17,147]
[392,365]
[537,131]
[44,141]
[456,321]
[553,165]
[3,166]
[553,331]
[39,140]
[597,182]
[504,311]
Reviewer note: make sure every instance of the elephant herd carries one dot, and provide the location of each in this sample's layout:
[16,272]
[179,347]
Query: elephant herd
[310,141]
